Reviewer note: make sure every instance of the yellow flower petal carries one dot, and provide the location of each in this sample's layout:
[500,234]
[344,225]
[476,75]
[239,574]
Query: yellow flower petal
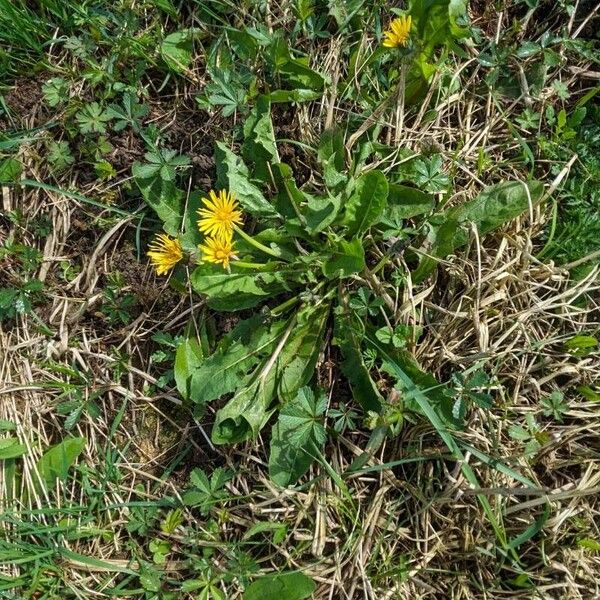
[164,252]
[217,251]
[398,33]
[219,215]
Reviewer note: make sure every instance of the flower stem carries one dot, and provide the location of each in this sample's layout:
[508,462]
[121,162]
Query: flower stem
[384,260]
[251,265]
[285,305]
[256,243]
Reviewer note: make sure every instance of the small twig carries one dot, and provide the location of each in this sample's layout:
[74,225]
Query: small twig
[581,261]
[558,180]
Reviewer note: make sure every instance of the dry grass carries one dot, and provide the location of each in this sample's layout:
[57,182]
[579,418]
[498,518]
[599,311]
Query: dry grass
[411,530]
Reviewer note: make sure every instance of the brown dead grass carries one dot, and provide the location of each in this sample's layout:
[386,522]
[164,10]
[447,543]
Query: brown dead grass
[412,531]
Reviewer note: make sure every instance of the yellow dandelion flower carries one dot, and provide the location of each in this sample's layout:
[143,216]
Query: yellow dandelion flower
[218,251]
[164,253]
[219,215]
[399,33]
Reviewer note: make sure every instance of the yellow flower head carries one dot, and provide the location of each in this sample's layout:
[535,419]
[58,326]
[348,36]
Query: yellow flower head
[164,253]
[219,214]
[399,33]
[218,251]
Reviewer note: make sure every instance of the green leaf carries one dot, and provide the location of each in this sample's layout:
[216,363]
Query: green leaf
[176,50]
[439,21]
[57,460]
[589,544]
[581,345]
[302,351]
[428,174]
[164,197]
[92,118]
[283,373]
[278,529]
[259,139]
[458,14]
[130,112]
[11,448]
[495,206]
[232,174]
[295,71]
[347,258]
[155,179]
[516,432]
[366,204]
[167,7]
[10,169]
[304,9]
[343,10]
[297,95]
[245,44]
[320,212]
[191,236]
[236,291]
[227,89]
[442,241]
[406,202]
[298,432]
[300,75]
[289,198]
[438,394]
[527,49]
[205,492]
[60,155]
[150,579]
[331,155]
[386,335]
[364,303]
[55,91]
[588,393]
[92,561]
[247,412]
[436,23]
[532,530]
[188,357]
[237,353]
[348,338]
[291,586]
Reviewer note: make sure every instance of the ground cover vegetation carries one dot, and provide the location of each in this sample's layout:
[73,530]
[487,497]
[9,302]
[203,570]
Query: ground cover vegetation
[299,299]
